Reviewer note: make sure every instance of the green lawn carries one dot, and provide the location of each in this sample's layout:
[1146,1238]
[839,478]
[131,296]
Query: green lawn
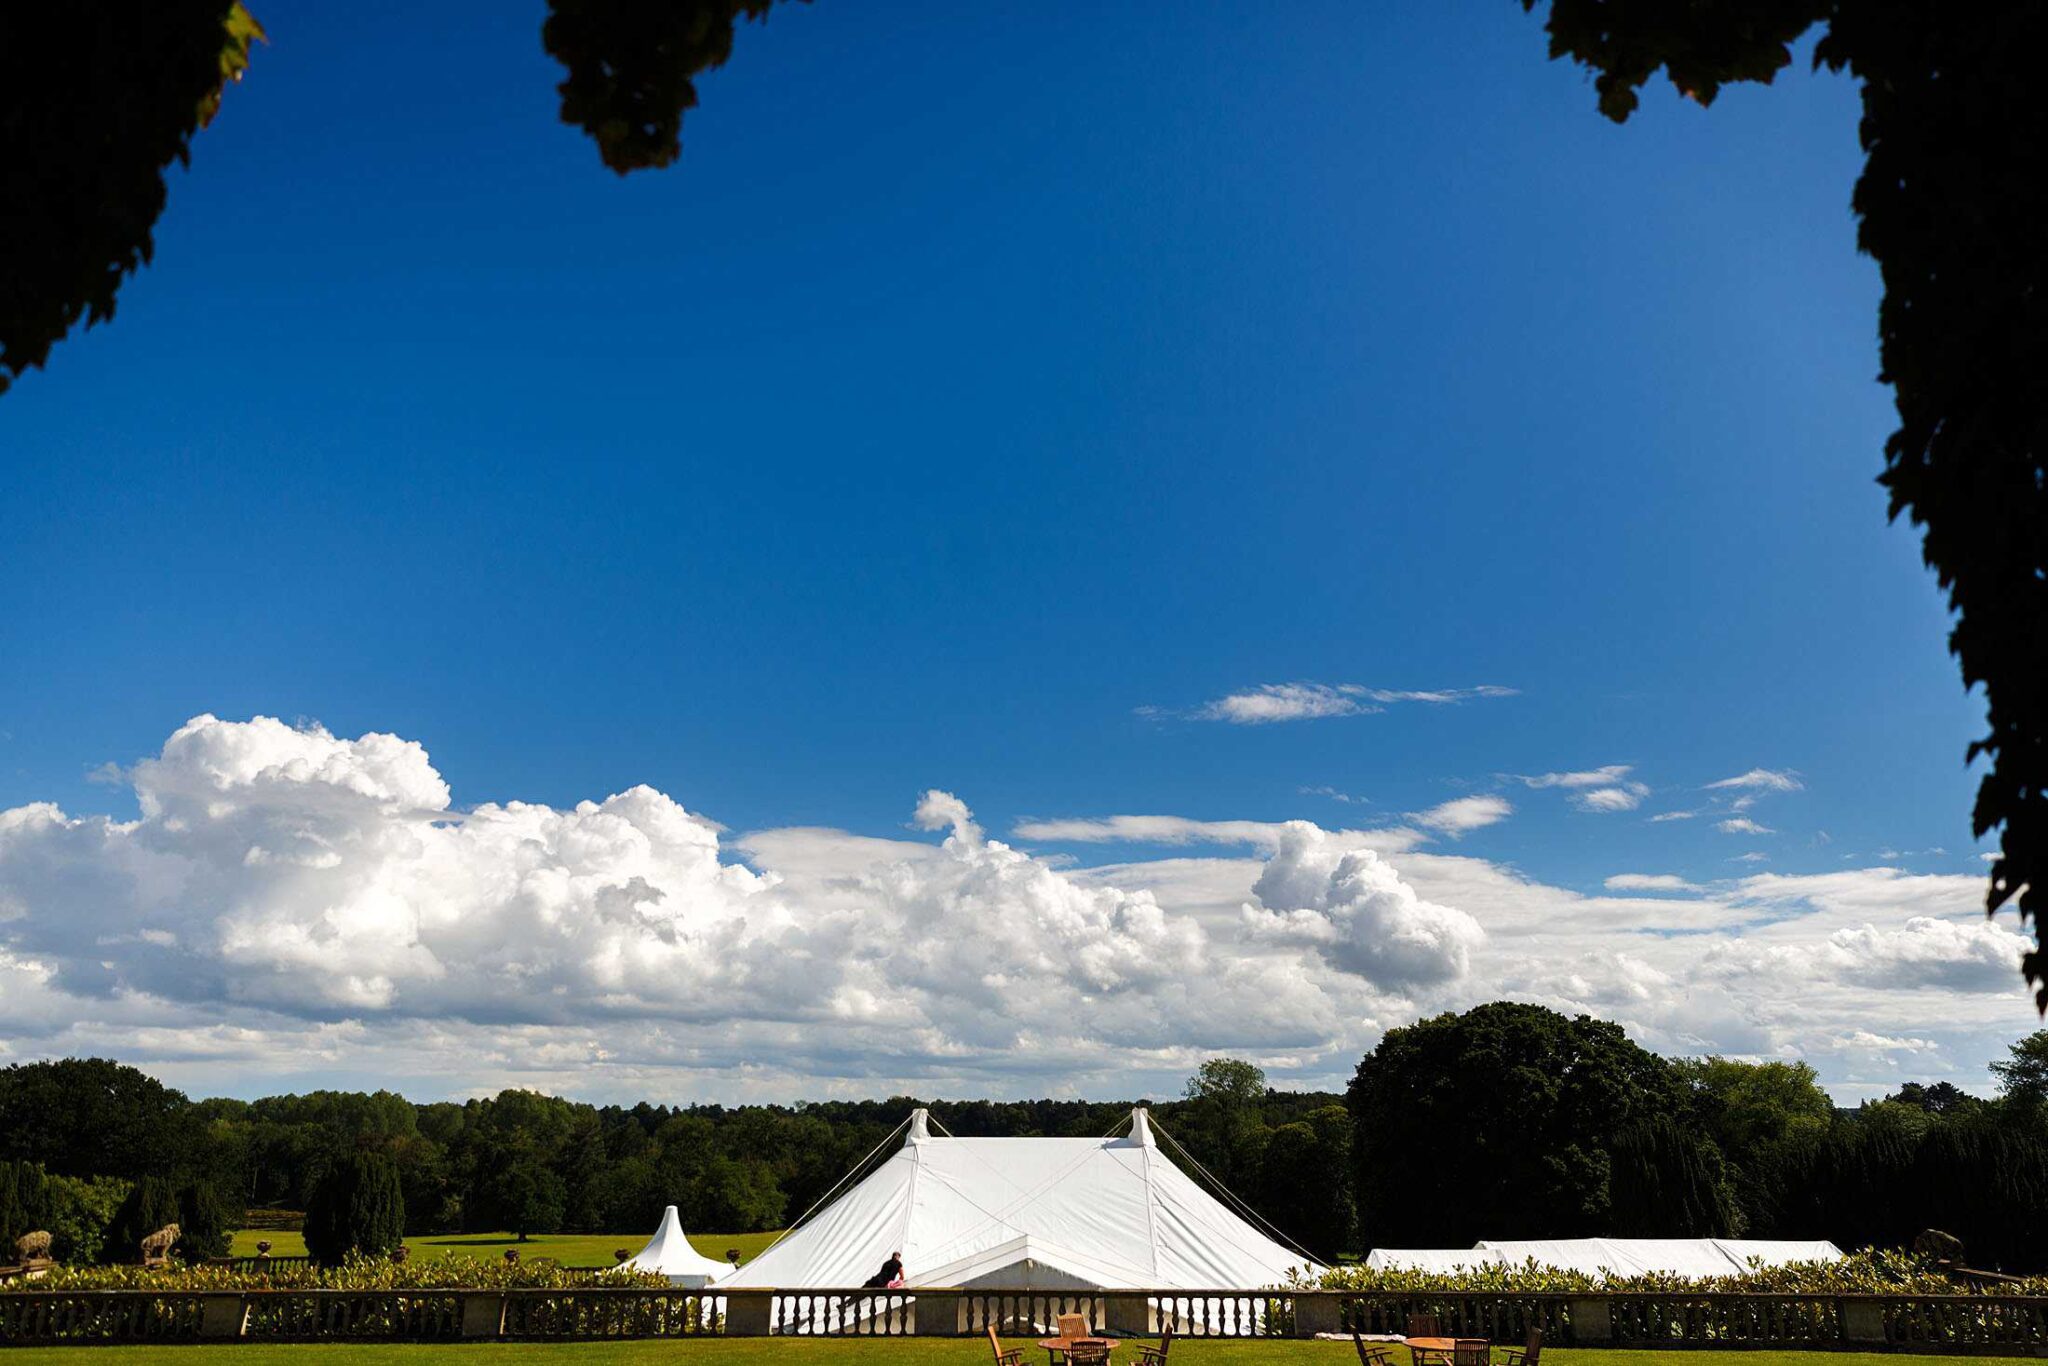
[842,1352]
[570,1249]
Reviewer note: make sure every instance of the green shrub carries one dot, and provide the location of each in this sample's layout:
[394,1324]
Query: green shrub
[82,1210]
[1877,1271]
[450,1272]
[357,1207]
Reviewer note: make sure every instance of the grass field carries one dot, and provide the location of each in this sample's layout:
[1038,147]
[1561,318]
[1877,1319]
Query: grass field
[570,1249]
[869,1352]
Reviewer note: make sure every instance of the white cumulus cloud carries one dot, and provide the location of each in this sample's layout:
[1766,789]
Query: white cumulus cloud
[1353,908]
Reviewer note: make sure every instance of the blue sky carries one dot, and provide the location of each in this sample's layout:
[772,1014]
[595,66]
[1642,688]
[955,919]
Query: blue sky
[983,394]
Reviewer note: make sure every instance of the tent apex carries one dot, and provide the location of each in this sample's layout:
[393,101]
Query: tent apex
[920,1124]
[1141,1127]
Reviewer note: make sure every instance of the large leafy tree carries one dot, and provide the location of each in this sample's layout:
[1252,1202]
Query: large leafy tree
[1496,1124]
[1766,1118]
[2023,1077]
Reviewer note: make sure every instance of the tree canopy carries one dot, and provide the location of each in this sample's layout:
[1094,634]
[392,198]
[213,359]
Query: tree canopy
[1497,1123]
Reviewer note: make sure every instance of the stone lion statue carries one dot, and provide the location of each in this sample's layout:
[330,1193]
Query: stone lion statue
[1943,1249]
[157,1246]
[32,1247]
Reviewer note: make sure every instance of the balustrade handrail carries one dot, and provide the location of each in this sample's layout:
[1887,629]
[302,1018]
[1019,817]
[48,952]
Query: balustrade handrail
[1936,1322]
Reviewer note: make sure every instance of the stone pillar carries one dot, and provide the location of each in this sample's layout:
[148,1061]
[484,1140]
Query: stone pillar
[483,1314]
[1127,1316]
[1592,1321]
[747,1313]
[938,1314]
[1318,1313]
[222,1316]
[1862,1321]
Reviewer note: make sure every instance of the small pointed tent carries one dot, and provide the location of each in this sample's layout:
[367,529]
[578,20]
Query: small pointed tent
[1054,1213]
[668,1253]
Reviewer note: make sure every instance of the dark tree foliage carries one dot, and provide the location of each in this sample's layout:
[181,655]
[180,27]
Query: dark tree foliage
[1667,1182]
[206,1221]
[1496,1124]
[1938,1098]
[1304,1185]
[97,99]
[633,67]
[1953,206]
[524,1197]
[356,1207]
[96,1117]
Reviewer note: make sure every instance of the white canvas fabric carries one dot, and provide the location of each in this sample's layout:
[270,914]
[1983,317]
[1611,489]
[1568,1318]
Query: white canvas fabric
[668,1253]
[1696,1258]
[1027,1212]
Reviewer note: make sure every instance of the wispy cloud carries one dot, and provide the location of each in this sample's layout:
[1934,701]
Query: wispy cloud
[1606,776]
[1663,816]
[1651,882]
[1607,799]
[1146,830]
[1334,795]
[1271,702]
[1742,825]
[1461,814]
[1600,790]
[1762,780]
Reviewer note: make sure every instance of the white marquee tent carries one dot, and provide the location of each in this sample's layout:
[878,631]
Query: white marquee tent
[1051,1213]
[1692,1257]
[668,1253]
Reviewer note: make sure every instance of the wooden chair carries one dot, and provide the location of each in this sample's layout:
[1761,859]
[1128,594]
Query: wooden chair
[1004,1356]
[1472,1352]
[1068,1326]
[1529,1353]
[1369,1353]
[1088,1354]
[1156,1356]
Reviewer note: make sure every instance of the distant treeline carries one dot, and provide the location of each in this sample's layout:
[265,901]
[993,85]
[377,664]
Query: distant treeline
[1507,1121]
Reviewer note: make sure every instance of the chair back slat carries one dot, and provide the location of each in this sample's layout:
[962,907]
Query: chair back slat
[1471,1352]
